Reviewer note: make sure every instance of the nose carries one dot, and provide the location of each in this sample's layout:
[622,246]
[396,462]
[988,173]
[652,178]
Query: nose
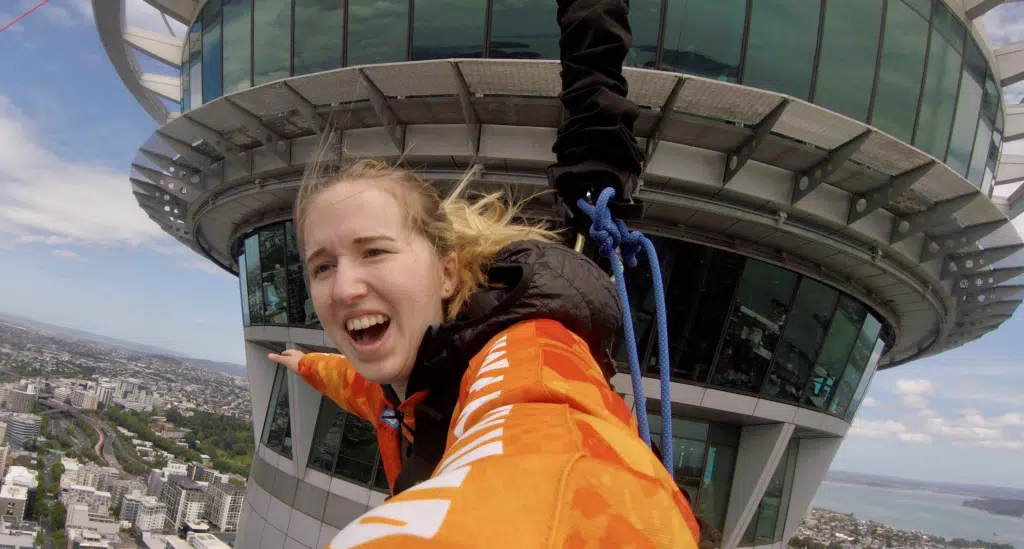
[350,284]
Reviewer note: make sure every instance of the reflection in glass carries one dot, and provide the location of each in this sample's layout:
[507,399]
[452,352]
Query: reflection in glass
[211,51]
[781,45]
[272,24]
[377,31]
[979,156]
[345,446]
[274,289]
[756,320]
[300,303]
[277,432]
[689,445]
[243,290]
[900,71]
[641,304]
[524,29]
[254,279]
[185,85]
[644,18]
[195,70]
[327,436]
[808,321]
[949,26]
[865,382]
[855,365]
[968,107]
[849,49]
[768,522]
[358,450]
[836,350]
[237,45]
[705,37]
[938,100]
[448,28]
[716,480]
[319,35]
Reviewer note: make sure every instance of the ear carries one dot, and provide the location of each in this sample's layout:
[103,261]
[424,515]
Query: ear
[449,275]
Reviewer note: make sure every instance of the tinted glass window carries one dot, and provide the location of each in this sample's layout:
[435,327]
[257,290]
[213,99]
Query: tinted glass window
[640,286]
[211,51]
[768,521]
[781,45]
[272,24]
[243,292]
[939,98]
[327,437]
[254,278]
[524,29]
[319,35]
[756,320]
[644,18]
[704,37]
[804,332]
[849,49]
[449,28]
[865,381]
[277,431]
[237,45]
[358,451]
[836,350]
[195,69]
[377,31]
[965,124]
[300,304]
[275,286]
[855,365]
[900,71]
[186,102]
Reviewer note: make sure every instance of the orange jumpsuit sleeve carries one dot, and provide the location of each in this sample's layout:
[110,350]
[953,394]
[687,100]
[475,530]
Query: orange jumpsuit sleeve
[541,454]
[335,376]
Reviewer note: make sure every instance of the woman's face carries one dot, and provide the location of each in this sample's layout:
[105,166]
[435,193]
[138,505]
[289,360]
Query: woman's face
[376,284]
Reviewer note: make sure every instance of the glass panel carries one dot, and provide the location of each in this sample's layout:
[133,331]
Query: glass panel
[378,31]
[237,45]
[990,99]
[272,261]
[716,484]
[380,477]
[195,39]
[450,28]
[855,365]
[965,122]
[808,321]
[756,319]
[689,443]
[948,25]
[243,290]
[644,19]
[277,433]
[271,48]
[641,304]
[300,304]
[524,29]
[939,98]
[838,343]
[327,436]
[319,35]
[865,384]
[196,81]
[698,299]
[185,91]
[211,51]
[253,278]
[358,450]
[764,525]
[849,49]
[923,7]
[780,48]
[705,37]
[979,158]
[900,72]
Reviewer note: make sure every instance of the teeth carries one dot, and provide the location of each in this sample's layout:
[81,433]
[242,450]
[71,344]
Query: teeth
[364,322]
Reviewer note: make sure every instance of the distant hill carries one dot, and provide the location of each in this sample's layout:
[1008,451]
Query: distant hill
[962,489]
[228,368]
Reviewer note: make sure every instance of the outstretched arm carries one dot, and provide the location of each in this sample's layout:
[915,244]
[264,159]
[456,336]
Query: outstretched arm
[541,453]
[335,376]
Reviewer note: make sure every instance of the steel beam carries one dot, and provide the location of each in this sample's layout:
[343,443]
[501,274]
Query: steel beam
[882,196]
[187,177]
[395,129]
[984,297]
[917,223]
[468,112]
[959,240]
[186,153]
[162,47]
[808,180]
[305,108]
[990,308]
[981,281]
[659,127]
[273,142]
[960,264]
[738,158]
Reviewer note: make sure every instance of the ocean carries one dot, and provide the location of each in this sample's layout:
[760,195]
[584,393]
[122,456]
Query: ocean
[929,512]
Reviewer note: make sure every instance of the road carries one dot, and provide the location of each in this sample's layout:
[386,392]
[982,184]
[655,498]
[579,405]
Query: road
[104,449]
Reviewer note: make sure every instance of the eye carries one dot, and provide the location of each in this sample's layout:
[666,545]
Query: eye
[375,252]
[320,269]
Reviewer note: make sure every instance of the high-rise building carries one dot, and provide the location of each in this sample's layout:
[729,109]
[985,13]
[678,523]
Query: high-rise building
[224,506]
[22,399]
[22,428]
[5,450]
[152,515]
[823,181]
[105,393]
[185,502]
[84,399]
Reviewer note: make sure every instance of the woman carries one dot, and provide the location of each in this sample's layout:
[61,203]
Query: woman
[454,319]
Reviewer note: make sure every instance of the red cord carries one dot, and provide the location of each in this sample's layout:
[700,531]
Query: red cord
[22,16]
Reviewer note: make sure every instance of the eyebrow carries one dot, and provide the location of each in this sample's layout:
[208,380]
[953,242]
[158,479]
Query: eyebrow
[362,241]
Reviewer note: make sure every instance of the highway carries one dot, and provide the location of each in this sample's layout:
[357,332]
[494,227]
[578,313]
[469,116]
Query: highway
[104,447]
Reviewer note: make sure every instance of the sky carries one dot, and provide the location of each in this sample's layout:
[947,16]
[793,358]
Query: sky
[77,251]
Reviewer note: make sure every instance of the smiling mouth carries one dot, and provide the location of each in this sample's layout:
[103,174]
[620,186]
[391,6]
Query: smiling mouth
[368,330]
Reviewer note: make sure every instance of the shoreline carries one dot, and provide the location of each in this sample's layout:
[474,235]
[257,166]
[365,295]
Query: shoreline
[822,528]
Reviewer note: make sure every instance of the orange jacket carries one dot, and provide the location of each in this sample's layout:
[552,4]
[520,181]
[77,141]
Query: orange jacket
[541,452]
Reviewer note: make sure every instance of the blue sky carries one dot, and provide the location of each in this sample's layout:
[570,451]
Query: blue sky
[76,250]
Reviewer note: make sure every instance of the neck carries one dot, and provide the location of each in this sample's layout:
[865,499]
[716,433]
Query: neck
[400,389]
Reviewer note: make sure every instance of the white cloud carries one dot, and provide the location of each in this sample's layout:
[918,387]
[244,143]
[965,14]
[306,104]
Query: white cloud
[915,401]
[868,402]
[915,438]
[46,199]
[68,255]
[1010,419]
[876,429]
[915,387]
[206,266]
[927,412]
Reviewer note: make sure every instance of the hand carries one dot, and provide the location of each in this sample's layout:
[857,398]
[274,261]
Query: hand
[289,358]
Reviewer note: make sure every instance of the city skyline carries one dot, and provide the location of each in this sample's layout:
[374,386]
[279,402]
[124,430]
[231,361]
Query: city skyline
[86,257]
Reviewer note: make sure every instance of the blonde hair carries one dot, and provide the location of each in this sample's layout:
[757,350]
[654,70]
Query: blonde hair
[474,230]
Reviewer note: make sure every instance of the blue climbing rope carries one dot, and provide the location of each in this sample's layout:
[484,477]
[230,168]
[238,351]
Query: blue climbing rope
[610,234]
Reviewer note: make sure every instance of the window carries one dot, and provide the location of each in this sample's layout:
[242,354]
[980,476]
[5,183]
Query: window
[300,303]
[838,343]
[640,287]
[804,332]
[448,28]
[237,45]
[644,19]
[968,108]
[346,446]
[524,29]
[377,31]
[756,320]
[901,70]
[865,380]
[849,49]
[980,154]
[277,429]
[274,279]
[938,100]
[704,37]
[253,279]
[855,365]
[211,51]
[185,83]
[319,35]
[781,45]
[272,23]
[243,290]
[768,522]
